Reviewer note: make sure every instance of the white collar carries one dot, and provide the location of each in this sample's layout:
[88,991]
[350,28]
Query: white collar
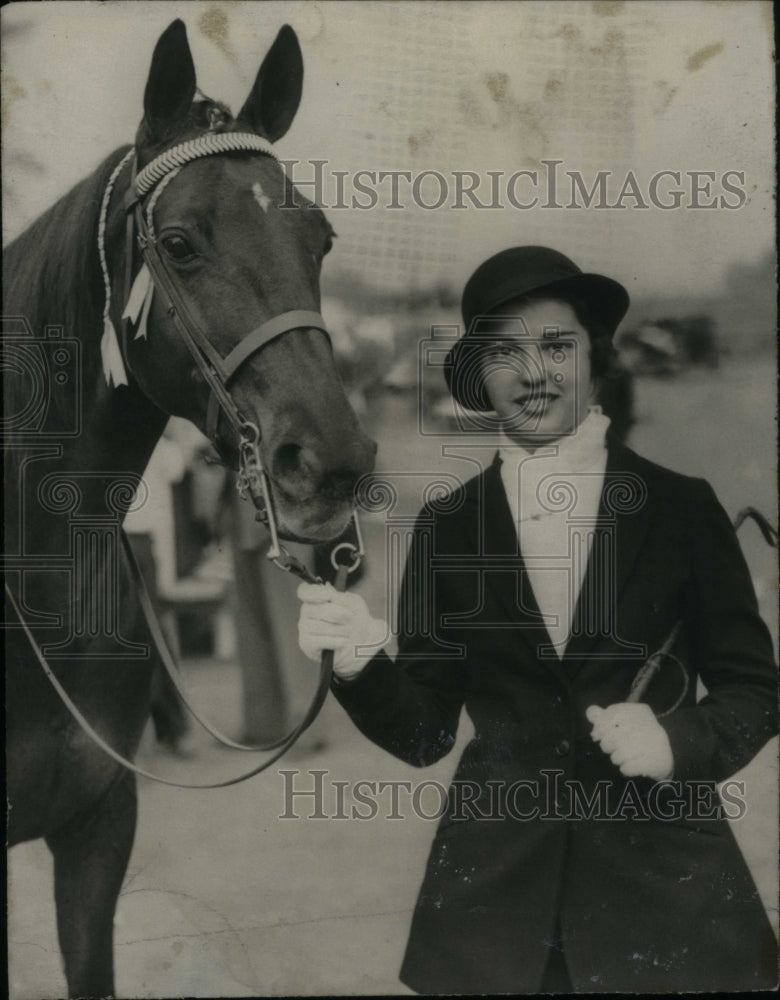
[582,449]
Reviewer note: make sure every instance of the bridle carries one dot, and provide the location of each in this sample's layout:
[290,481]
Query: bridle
[148,184]
[140,200]
[252,481]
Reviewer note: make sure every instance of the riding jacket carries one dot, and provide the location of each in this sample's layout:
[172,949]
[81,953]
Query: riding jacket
[542,835]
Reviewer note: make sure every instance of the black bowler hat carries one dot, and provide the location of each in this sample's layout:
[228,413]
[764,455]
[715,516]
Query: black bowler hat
[513,274]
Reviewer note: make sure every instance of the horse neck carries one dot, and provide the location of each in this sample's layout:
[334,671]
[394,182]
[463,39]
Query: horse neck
[54,279]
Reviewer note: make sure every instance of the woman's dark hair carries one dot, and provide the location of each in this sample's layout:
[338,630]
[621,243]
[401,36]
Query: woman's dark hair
[466,375]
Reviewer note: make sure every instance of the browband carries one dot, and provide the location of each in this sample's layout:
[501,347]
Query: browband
[194,149]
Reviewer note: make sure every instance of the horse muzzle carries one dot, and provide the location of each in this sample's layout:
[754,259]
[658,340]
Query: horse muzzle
[313,490]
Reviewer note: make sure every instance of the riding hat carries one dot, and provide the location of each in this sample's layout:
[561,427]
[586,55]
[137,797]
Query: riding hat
[512,274]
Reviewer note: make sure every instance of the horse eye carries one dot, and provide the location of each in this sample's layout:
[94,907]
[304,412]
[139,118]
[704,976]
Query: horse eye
[177,248]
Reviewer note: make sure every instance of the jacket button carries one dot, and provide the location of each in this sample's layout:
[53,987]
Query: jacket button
[563,748]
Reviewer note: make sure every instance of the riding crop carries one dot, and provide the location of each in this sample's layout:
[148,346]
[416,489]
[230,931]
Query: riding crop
[655,662]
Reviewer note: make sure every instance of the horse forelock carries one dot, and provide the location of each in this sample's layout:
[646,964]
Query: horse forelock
[204,117]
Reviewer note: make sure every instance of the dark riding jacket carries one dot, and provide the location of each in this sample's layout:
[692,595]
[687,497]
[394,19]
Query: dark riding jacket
[645,883]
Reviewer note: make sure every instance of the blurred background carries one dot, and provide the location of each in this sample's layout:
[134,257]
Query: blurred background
[223,899]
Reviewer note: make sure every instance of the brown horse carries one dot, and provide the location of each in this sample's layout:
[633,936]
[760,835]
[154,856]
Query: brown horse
[76,444]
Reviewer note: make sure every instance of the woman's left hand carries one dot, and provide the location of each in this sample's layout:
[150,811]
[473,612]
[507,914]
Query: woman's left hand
[634,739]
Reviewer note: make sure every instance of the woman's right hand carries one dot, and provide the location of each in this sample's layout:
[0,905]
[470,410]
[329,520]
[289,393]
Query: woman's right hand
[339,621]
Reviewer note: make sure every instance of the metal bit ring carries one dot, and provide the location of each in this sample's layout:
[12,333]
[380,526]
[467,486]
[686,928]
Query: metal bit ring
[356,557]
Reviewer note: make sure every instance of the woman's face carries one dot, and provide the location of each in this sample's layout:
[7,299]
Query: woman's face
[537,373]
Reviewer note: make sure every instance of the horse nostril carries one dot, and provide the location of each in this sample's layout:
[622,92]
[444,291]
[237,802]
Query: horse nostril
[287,460]
[304,470]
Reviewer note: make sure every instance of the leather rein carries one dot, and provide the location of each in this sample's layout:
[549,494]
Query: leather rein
[252,482]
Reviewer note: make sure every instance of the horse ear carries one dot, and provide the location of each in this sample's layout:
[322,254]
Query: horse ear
[276,94]
[171,84]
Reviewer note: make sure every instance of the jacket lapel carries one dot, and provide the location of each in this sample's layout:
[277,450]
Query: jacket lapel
[621,526]
[507,584]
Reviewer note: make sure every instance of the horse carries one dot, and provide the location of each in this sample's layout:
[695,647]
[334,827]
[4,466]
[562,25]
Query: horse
[197,199]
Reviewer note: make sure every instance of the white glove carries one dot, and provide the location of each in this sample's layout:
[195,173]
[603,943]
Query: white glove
[634,739]
[339,621]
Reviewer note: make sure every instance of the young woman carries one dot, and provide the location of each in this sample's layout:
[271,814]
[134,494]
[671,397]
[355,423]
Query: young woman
[591,852]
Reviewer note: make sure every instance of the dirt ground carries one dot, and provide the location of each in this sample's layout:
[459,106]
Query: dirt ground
[224,898]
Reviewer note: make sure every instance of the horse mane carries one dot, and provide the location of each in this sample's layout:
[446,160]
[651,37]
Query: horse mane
[52,277]
[52,271]
[52,274]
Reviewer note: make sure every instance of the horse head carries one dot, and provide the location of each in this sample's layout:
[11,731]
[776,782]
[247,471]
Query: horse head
[241,248]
